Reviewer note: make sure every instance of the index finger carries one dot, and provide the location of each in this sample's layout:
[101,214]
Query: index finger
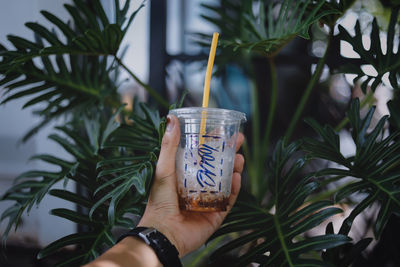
[239,141]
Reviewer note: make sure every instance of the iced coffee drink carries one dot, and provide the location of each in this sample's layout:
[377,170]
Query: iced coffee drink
[204,161]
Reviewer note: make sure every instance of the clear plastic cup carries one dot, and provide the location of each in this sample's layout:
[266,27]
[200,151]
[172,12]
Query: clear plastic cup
[204,161]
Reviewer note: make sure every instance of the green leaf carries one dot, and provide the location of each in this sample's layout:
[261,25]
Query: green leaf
[89,78]
[53,160]
[320,242]
[249,30]
[78,20]
[101,13]
[132,16]
[21,43]
[25,194]
[112,125]
[288,189]
[65,241]
[69,147]
[66,30]
[71,215]
[88,14]
[43,32]
[72,197]
[136,179]
[13,213]
[92,127]
[126,159]
[383,62]
[376,163]
[344,255]
[45,96]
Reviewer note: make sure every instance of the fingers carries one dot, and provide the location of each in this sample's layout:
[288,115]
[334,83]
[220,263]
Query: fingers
[169,146]
[236,184]
[237,170]
[238,163]
[239,141]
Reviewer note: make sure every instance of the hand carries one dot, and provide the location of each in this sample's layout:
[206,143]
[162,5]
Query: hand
[186,230]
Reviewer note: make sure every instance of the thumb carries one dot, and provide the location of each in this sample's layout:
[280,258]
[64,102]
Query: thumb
[169,147]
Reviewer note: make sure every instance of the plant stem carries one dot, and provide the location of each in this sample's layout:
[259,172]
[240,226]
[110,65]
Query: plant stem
[150,90]
[271,112]
[282,240]
[367,100]
[254,175]
[314,79]
[278,227]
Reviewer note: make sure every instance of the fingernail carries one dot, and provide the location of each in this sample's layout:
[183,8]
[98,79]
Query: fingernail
[170,123]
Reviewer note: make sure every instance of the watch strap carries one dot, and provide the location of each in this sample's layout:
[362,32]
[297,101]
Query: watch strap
[164,249]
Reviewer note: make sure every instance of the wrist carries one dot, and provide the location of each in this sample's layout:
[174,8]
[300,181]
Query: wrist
[166,251]
[131,251]
[140,252]
[166,231]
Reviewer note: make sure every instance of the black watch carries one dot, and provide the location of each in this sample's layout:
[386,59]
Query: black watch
[165,251]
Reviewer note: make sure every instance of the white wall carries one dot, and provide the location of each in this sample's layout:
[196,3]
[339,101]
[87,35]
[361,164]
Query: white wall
[137,39]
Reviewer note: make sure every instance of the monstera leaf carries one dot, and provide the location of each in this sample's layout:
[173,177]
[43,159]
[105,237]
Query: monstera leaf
[61,91]
[346,254]
[113,164]
[95,34]
[263,30]
[383,63]
[134,165]
[29,191]
[32,186]
[375,165]
[73,72]
[275,235]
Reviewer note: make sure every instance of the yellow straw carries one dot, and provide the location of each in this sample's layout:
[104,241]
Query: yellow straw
[207,80]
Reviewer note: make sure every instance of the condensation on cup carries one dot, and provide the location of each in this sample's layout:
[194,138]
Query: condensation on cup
[204,161]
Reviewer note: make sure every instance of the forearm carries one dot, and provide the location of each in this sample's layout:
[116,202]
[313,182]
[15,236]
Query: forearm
[131,251]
